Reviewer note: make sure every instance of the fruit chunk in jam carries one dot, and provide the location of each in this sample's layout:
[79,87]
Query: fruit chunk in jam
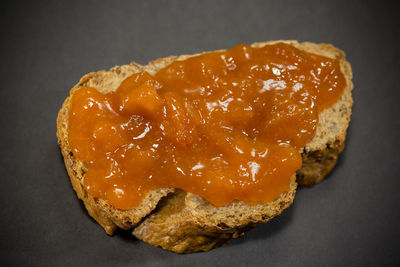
[224,125]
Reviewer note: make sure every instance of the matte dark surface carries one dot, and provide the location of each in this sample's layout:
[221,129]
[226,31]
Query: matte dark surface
[352,218]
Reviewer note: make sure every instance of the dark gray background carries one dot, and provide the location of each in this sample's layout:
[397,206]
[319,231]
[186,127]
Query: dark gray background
[352,218]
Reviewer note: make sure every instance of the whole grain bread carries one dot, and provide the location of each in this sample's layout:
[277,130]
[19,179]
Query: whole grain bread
[183,222]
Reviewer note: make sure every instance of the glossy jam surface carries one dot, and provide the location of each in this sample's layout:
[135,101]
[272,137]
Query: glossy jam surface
[224,125]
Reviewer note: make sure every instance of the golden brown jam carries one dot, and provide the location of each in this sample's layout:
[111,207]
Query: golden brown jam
[223,125]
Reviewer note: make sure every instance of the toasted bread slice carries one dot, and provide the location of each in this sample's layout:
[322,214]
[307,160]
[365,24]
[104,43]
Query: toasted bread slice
[183,222]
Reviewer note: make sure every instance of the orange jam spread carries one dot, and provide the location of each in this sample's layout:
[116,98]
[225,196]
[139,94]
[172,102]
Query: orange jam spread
[223,125]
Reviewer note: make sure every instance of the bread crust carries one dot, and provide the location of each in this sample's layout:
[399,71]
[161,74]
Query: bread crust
[183,222]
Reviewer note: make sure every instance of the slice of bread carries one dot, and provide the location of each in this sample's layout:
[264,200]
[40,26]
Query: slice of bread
[183,222]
